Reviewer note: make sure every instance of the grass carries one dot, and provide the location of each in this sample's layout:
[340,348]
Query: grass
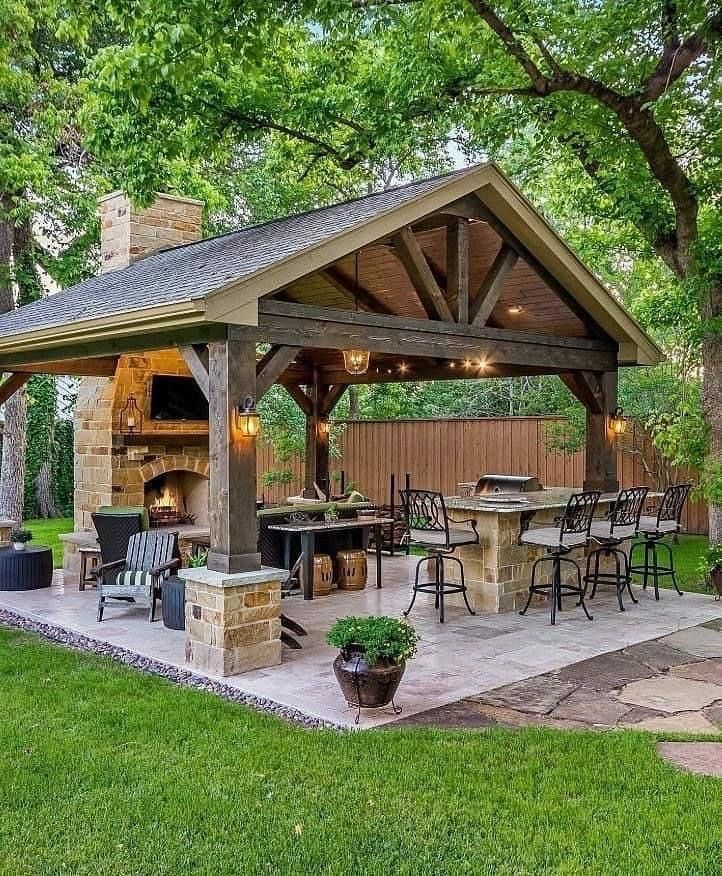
[107,771]
[687,556]
[47,532]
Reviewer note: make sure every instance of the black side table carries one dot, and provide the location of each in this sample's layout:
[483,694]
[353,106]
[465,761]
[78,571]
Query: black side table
[31,569]
[173,603]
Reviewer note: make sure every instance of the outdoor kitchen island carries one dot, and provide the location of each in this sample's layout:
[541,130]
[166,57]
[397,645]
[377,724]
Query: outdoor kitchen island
[498,569]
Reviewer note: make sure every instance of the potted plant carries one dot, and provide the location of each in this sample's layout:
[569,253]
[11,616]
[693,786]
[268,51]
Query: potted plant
[372,659]
[198,559]
[20,537]
[331,513]
[710,568]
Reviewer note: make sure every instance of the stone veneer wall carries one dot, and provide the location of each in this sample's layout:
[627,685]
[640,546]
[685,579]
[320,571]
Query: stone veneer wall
[109,472]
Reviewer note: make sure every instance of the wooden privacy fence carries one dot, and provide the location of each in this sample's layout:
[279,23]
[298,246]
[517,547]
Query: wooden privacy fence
[439,454]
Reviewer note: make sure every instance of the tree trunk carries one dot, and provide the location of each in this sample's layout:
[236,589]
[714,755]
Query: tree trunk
[712,401]
[44,491]
[353,403]
[12,469]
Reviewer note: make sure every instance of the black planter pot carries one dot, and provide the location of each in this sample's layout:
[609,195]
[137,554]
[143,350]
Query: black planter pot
[365,686]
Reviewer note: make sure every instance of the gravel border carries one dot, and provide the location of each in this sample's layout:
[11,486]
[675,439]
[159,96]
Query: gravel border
[184,677]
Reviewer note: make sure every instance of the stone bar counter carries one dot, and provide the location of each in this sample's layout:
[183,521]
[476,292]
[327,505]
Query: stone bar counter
[498,569]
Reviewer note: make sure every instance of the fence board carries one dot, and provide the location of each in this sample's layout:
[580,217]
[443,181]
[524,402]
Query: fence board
[441,453]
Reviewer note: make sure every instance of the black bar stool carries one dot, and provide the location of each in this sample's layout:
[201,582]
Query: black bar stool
[621,524]
[429,527]
[653,530]
[571,532]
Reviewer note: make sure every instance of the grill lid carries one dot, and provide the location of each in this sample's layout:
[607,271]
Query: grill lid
[501,483]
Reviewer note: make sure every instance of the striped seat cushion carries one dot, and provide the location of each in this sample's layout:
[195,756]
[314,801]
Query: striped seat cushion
[134,580]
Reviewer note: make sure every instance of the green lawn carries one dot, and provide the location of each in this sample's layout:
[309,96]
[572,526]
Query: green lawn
[47,532]
[107,771]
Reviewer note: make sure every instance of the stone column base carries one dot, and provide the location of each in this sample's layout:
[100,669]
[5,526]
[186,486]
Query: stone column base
[6,527]
[233,620]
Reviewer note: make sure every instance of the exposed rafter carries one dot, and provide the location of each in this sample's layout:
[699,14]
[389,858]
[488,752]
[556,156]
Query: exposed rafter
[491,287]
[412,257]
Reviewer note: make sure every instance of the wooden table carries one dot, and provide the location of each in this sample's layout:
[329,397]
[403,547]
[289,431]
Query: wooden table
[308,529]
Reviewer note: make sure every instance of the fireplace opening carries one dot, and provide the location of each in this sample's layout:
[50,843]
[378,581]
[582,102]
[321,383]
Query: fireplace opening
[177,497]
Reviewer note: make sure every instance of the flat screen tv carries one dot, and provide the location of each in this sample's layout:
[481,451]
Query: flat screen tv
[176,398]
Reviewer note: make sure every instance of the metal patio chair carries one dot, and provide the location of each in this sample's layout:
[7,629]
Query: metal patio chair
[429,527]
[572,531]
[621,524]
[653,529]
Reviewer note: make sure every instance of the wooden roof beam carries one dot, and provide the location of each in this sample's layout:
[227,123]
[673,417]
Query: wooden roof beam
[100,366]
[330,328]
[492,285]
[272,366]
[587,387]
[457,267]
[11,385]
[196,358]
[411,256]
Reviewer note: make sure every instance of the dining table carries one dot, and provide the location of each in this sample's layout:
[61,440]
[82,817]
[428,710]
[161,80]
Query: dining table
[308,530]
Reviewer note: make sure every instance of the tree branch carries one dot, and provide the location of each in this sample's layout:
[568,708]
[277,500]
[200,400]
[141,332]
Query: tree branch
[679,55]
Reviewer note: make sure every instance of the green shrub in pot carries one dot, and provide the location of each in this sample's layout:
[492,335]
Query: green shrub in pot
[380,639]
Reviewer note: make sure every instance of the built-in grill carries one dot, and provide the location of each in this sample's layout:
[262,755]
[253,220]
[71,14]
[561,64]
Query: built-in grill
[501,483]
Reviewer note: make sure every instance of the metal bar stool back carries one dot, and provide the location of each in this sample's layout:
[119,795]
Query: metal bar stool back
[571,531]
[620,525]
[653,529]
[429,527]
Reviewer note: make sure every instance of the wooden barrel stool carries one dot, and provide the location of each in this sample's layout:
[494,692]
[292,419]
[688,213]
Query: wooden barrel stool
[322,575]
[352,570]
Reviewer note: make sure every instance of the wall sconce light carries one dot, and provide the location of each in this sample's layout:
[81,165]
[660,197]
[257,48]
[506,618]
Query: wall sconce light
[324,427]
[131,417]
[617,421]
[247,419]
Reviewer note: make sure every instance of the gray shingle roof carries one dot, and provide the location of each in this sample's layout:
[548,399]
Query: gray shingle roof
[194,270]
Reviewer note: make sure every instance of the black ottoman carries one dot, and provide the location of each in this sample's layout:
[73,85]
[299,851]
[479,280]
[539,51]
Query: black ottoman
[31,569]
[173,604]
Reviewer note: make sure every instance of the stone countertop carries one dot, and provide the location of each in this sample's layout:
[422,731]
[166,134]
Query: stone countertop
[539,500]
[327,526]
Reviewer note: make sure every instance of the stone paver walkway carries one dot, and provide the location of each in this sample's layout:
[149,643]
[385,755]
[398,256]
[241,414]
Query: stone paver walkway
[671,684]
[704,758]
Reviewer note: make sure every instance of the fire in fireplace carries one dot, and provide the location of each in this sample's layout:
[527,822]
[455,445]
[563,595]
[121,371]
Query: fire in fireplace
[177,497]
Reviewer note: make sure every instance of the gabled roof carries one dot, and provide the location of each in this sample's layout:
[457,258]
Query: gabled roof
[221,278]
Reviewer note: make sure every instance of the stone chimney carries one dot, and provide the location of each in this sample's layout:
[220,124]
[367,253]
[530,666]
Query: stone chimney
[128,234]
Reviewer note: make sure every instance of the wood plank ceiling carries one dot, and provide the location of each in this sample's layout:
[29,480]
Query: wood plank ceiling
[525,302]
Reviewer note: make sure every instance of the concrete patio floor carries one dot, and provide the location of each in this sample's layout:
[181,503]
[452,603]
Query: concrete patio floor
[465,657]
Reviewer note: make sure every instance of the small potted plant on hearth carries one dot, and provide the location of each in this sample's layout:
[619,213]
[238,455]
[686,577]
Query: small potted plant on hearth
[710,568]
[374,651]
[20,538]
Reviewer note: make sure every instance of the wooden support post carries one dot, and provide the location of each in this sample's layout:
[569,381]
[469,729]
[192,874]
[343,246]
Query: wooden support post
[600,471]
[457,267]
[234,538]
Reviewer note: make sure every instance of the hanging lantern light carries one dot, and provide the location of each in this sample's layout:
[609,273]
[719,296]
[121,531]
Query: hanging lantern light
[131,417]
[617,421]
[356,361]
[247,419]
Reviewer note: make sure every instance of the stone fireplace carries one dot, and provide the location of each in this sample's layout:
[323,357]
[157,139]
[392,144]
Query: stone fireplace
[176,497]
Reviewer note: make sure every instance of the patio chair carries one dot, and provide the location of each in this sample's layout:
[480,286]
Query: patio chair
[150,558]
[572,531]
[429,527]
[621,524]
[114,532]
[653,529]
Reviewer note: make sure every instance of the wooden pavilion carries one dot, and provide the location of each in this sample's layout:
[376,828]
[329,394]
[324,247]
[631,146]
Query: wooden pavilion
[452,277]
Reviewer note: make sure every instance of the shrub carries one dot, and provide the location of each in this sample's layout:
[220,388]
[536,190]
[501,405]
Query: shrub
[381,638]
